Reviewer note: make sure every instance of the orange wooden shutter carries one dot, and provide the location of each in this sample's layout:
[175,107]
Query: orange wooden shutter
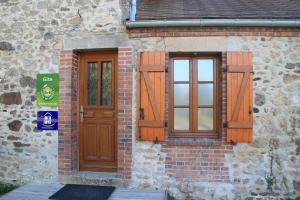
[151,96]
[239,97]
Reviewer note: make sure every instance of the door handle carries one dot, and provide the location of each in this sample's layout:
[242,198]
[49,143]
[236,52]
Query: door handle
[81,113]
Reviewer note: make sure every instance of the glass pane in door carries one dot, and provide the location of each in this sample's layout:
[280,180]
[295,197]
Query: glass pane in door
[106,76]
[92,83]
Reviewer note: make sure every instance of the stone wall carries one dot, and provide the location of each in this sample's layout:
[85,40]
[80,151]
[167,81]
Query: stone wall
[31,39]
[34,33]
[276,128]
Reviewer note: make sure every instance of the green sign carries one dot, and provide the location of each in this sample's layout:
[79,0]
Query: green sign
[47,90]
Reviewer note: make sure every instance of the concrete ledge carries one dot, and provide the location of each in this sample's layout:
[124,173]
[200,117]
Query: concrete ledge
[96,42]
[93,178]
[197,44]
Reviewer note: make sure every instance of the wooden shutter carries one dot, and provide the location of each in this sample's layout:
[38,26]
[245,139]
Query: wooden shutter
[239,97]
[151,96]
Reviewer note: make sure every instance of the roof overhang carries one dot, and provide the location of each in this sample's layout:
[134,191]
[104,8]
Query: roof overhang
[214,23]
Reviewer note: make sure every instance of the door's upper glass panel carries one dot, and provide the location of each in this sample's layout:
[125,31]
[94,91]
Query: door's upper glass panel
[92,83]
[106,84]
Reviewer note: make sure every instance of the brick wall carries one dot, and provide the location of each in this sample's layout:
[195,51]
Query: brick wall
[201,162]
[198,159]
[124,112]
[67,134]
[213,31]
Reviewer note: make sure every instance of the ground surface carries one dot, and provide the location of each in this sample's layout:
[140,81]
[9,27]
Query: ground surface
[35,191]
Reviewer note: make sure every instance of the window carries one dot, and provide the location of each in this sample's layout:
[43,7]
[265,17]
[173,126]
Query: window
[194,94]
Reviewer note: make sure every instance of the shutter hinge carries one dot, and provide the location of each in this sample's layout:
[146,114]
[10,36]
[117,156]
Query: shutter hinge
[140,54]
[156,140]
[166,124]
[167,69]
[142,114]
[140,135]
[225,125]
[224,69]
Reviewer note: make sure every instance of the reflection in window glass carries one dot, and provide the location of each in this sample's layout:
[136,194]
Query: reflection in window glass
[181,94]
[181,70]
[205,119]
[181,118]
[92,83]
[105,98]
[205,70]
[205,94]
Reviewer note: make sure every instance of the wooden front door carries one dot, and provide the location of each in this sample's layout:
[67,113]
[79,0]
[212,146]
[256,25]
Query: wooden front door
[98,111]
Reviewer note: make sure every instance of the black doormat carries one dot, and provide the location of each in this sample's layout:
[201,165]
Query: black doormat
[83,192]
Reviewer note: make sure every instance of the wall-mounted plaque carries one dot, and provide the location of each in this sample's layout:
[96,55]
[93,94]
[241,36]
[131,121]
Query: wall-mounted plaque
[47,120]
[47,90]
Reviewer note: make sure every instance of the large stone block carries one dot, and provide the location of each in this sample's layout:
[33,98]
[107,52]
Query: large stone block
[20,144]
[296,185]
[11,98]
[6,46]
[260,99]
[15,125]
[27,81]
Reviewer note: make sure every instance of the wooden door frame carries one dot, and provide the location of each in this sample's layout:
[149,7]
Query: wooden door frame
[67,151]
[115,99]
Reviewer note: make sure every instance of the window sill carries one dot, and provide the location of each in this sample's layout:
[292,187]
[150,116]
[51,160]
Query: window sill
[194,135]
[192,140]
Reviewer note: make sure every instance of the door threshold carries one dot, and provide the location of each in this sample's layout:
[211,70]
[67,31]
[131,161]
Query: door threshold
[93,178]
[96,175]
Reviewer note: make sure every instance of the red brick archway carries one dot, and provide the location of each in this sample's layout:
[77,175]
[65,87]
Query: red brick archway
[68,109]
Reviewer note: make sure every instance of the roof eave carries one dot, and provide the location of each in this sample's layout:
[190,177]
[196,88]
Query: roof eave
[295,23]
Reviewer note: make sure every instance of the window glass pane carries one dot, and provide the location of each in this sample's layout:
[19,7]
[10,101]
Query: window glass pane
[205,119]
[105,98]
[205,94]
[181,70]
[181,94]
[92,83]
[181,119]
[206,70]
